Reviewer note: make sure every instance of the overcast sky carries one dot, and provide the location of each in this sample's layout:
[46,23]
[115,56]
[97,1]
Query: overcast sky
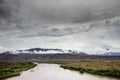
[91,26]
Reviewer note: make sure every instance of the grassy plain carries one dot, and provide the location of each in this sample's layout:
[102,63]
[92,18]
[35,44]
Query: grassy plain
[9,69]
[100,67]
[106,67]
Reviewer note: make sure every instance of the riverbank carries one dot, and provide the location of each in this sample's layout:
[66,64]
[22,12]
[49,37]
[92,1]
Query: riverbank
[109,68]
[111,73]
[10,69]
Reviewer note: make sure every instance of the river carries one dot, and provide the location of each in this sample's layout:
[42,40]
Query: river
[55,72]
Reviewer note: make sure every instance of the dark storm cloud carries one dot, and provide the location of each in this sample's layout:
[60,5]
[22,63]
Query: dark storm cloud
[70,11]
[8,7]
[60,11]
[55,12]
[4,10]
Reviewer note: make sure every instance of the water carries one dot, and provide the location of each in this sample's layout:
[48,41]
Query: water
[55,72]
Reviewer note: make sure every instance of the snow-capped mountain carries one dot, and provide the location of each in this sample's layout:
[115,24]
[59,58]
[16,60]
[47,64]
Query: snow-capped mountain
[111,54]
[45,51]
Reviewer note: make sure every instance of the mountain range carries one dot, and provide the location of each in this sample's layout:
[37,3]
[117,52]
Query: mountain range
[111,54]
[57,51]
[49,53]
[45,51]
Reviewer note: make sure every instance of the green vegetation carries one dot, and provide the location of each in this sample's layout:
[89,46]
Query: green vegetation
[9,69]
[100,67]
[95,66]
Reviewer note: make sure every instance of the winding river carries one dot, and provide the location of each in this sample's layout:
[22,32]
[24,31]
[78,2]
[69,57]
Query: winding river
[55,72]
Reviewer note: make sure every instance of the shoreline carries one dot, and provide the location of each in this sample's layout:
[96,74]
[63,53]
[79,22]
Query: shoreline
[108,68]
[108,73]
[82,66]
[12,73]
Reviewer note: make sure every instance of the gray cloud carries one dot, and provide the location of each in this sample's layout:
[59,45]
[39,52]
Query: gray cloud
[60,12]
[4,10]
[74,11]
[92,25]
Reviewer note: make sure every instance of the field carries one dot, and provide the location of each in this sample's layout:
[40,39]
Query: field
[105,66]
[100,67]
[9,69]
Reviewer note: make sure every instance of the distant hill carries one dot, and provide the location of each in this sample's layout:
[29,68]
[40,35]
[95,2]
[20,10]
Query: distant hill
[41,53]
[49,53]
[46,51]
[111,54]
[27,56]
[33,57]
[43,49]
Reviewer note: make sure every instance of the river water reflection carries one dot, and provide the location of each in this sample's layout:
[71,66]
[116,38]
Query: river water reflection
[55,72]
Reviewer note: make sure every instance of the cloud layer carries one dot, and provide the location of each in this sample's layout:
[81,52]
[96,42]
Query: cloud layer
[92,26]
